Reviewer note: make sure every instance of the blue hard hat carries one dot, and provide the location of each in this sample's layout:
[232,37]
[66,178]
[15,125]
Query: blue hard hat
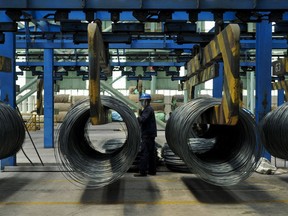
[145,96]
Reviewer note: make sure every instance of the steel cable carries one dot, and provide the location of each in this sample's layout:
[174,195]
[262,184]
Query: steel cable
[12,132]
[275,133]
[80,161]
[34,146]
[219,154]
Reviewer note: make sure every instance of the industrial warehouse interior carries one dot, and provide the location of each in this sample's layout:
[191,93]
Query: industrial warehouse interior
[78,76]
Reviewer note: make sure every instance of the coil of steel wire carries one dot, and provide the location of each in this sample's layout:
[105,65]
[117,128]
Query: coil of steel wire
[225,155]
[12,131]
[274,130]
[172,161]
[92,159]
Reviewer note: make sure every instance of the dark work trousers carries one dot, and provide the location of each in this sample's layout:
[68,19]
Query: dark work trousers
[148,156]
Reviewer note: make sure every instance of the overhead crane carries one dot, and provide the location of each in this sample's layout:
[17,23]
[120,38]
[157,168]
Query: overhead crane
[262,12]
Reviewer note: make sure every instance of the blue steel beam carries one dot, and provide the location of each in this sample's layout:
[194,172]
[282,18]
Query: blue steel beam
[41,44]
[276,44]
[122,64]
[263,71]
[128,16]
[144,5]
[7,79]
[136,44]
[151,44]
[48,99]
[280,97]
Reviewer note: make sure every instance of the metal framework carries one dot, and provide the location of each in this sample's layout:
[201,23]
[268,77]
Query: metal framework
[144,5]
[58,25]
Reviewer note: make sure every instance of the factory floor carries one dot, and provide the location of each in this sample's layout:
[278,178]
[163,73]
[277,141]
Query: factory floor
[44,191]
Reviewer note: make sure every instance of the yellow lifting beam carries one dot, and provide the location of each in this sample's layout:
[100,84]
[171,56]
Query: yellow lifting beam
[97,62]
[39,104]
[226,47]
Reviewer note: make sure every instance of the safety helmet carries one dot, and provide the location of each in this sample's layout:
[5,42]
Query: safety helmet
[145,96]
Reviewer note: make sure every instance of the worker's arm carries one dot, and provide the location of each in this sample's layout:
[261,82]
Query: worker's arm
[145,115]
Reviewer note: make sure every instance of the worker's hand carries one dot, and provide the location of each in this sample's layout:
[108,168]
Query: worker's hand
[139,119]
[139,112]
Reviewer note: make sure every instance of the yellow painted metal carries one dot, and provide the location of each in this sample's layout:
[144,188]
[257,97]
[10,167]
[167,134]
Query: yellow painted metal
[97,62]
[226,47]
[283,84]
[5,64]
[206,74]
[40,86]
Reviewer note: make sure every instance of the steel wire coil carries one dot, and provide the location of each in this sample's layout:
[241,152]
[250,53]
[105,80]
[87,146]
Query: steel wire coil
[172,161]
[225,155]
[77,154]
[12,131]
[274,130]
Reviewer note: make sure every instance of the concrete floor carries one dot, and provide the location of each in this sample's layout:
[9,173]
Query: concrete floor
[44,191]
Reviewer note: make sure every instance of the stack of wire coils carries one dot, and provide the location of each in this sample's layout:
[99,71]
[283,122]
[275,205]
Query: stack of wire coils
[172,161]
[274,130]
[79,158]
[12,131]
[219,154]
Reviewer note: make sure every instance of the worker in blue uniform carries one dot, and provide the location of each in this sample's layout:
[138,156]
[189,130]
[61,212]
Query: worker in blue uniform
[147,121]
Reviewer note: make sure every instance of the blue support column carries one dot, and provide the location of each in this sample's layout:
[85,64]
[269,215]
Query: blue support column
[263,71]
[7,79]
[280,97]
[48,99]
[218,83]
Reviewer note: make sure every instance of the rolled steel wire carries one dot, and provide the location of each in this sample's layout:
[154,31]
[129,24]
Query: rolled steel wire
[229,154]
[12,131]
[172,161]
[80,161]
[274,130]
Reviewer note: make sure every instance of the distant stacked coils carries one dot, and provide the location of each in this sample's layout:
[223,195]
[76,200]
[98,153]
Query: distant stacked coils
[274,127]
[220,154]
[172,161]
[84,165]
[12,131]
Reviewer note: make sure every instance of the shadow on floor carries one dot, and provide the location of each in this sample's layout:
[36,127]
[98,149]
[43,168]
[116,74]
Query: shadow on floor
[284,178]
[242,193]
[12,185]
[207,193]
[123,191]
